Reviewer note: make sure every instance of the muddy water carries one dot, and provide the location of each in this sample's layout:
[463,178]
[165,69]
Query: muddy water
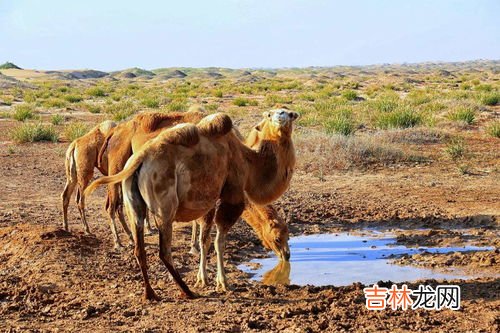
[342,259]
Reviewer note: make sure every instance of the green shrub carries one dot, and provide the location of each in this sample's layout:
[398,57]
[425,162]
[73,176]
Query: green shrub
[463,113]
[385,104]
[56,119]
[218,93]
[456,148]
[75,130]
[272,100]
[23,112]
[95,92]
[341,123]
[493,129]
[350,95]
[73,98]
[241,101]
[54,103]
[177,105]
[121,110]
[152,103]
[490,98]
[34,132]
[400,118]
[92,108]
[484,87]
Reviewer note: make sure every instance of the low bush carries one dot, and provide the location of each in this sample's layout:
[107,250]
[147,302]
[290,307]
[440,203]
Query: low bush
[75,130]
[34,132]
[23,112]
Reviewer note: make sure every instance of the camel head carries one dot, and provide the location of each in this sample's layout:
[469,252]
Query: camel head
[278,122]
[275,237]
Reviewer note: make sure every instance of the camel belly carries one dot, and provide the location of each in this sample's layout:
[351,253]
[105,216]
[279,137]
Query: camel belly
[186,214]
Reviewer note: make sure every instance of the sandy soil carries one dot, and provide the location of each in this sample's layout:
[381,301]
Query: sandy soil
[51,280]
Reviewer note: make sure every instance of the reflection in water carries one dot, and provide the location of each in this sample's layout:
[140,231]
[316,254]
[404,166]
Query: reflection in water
[280,274]
[342,259]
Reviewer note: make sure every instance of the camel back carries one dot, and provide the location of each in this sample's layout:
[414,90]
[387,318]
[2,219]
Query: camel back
[182,134]
[215,125]
[151,121]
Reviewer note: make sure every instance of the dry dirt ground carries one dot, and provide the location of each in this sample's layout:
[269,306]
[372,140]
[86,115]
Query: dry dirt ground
[51,280]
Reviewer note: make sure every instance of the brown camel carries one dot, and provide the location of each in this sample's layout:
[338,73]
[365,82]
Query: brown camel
[182,173]
[118,146]
[130,136]
[81,159]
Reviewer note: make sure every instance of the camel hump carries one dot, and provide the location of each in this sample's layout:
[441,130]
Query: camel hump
[106,126]
[150,121]
[215,125]
[183,134]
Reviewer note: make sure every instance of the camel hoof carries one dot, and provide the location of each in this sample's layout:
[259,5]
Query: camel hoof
[200,284]
[187,295]
[194,251]
[150,295]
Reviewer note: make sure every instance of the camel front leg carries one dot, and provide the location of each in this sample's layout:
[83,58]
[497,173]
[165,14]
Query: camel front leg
[194,239]
[220,245]
[205,240]
[226,216]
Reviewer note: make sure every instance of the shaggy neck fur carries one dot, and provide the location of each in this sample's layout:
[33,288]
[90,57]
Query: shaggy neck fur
[271,163]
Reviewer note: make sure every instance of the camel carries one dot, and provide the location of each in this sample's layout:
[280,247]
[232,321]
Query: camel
[81,159]
[183,173]
[127,137]
[118,146]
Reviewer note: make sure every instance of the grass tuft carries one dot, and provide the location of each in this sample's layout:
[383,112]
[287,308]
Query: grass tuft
[34,132]
[23,112]
[493,129]
[75,130]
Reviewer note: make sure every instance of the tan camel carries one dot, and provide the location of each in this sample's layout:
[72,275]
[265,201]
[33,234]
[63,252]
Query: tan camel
[130,136]
[81,159]
[118,146]
[185,171]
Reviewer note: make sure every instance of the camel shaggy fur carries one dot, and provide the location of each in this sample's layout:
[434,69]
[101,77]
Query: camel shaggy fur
[186,170]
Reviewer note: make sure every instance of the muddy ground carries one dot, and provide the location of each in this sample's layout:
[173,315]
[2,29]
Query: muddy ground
[51,280]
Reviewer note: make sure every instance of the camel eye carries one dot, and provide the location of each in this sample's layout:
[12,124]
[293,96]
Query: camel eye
[277,240]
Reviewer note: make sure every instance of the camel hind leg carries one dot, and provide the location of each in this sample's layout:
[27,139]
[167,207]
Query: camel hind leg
[66,196]
[136,211]
[71,181]
[164,224]
[80,202]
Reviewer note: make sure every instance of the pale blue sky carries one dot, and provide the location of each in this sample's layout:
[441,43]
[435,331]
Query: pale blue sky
[116,34]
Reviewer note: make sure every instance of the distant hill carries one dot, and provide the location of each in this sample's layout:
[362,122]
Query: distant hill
[9,65]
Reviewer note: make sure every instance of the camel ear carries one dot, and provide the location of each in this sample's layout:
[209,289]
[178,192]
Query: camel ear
[266,114]
[294,115]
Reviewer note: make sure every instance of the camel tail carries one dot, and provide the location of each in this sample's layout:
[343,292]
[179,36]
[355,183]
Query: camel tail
[70,163]
[132,165]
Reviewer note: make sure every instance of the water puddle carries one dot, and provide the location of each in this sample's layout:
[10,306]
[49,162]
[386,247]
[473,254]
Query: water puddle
[342,259]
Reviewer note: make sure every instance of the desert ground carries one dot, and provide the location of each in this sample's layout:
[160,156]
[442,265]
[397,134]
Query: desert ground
[412,149]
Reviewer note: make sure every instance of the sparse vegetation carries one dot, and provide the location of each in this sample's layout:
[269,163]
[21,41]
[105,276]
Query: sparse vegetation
[96,92]
[463,114]
[23,112]
[341,123]
[56,119]
[75,130]
[28,132]
[400,118]
[493,129]
[456,148]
